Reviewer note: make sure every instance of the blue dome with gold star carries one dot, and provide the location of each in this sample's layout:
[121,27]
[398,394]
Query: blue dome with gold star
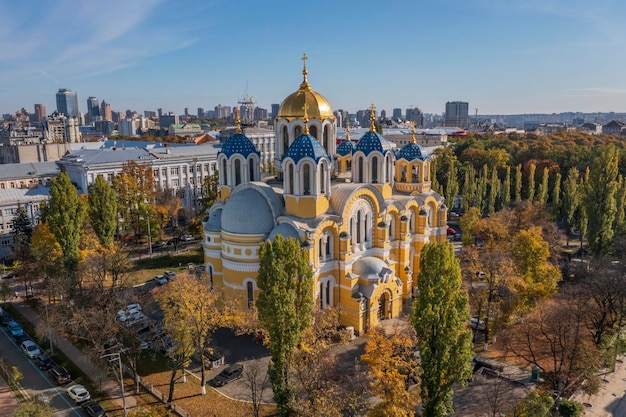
[306,146]
[373,141]
[345,148]
[411,152]
[238,144]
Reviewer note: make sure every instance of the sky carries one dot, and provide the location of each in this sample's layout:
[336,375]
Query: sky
[501,56]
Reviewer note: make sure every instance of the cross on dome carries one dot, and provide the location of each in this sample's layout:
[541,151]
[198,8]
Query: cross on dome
[306,115]
[372,118]
[237,120]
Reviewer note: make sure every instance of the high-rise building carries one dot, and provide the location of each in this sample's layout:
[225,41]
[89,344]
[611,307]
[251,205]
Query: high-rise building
[260,114]
[62,129]
[415,115]
[165,120]
[456,114]
[275,108]
[222,112]
[149,113]
[187,111]
[105,111]
[40,112]
[67,102]
[160,112]
[200,112]
[397,113]
[93,109]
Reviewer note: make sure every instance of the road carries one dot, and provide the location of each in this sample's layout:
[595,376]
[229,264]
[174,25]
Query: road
[35,381]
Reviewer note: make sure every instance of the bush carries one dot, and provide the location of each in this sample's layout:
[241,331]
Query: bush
[570,409]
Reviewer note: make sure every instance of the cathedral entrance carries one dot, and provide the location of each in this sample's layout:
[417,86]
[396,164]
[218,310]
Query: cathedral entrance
[383,306]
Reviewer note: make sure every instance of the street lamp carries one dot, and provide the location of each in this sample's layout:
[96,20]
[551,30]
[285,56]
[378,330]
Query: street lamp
[112,357]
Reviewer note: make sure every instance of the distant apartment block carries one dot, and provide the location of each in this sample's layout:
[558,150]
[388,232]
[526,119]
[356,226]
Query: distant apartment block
[165,120]
[105,111]
[67,102]
[40,112]
[614,127]
[222,112]
[93,110]
[456,114]
[61,129]
[184,130]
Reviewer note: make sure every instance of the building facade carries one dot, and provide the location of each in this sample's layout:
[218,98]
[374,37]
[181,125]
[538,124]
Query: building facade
[361,212]
[456,114]
[67,102]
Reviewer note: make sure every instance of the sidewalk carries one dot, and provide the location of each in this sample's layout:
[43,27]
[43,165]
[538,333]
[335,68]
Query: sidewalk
[8,402]
[610,401]
[99,378]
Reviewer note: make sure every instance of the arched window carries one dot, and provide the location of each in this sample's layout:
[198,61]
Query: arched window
[322,179]
[415,175]
[426,171]
[211,276]
[374,170]
[306,179]
[224,172]
[251,169]
[349,165]
[320,248]
[290,179]
[297,131]
[326,144]
[392,231]
[360,169]
[321,296]
[328,246]
[285,139]
[237,172]
[358,226]
[250,294]
[313,131]
[403,173]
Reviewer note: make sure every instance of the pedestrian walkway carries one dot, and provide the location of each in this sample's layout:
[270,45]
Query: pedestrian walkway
[8,402]
[611,400]
[99,378]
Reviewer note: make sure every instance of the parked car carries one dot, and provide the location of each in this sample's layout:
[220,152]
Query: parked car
[15,329]
[30,348]
[477,324]
[43,361]
[6,319]
[231,373]
[21,338]
[93,409]
[59,375]
[78,393]
[188,238]
[160,279]
[169,275]
[134,306]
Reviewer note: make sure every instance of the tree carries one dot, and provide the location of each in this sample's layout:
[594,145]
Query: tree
[518,182]
[440,315]
[46,259]
[556,196]
[494,191]
[468,223]
[135,189]
[102,209]
[534,405]
[34,409]
[600,199]
[22,231]
[64,215]
[210,191]
[506,188]
[542,192]
[452,184]
[392,363]
[571,199]
[191,303]
[531,182]
[284,306]
[469,188]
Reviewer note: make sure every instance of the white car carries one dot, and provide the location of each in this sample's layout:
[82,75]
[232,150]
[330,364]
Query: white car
[169,275]
[135,319]
[134,306]
[30,348]
[78,393]
[160,279]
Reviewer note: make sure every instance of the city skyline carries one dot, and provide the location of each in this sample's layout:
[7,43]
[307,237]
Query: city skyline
[546,56]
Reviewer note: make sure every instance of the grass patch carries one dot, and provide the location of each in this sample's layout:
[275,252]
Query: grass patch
[146,268]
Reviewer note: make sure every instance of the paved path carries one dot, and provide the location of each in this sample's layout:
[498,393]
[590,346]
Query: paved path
[611,400]
[100,379]
[8,402]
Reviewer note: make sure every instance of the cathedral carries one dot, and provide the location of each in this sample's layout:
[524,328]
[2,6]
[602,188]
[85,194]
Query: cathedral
[363,212]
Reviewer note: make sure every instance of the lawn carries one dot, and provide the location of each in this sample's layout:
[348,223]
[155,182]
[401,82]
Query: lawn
[147,268]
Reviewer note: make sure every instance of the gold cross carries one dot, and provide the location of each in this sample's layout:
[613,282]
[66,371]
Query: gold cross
[372,118]
[304,58]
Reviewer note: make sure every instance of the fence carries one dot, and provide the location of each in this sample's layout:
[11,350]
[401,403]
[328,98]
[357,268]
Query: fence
[157,394]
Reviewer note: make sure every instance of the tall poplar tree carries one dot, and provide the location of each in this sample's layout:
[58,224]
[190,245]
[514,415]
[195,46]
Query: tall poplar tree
[600,199]
[469,188]
[531,183]
[506,188]
[620,215]
[285,307]
[452,185]
[542,192]
[65,213]
[571,200]
[556,196]
[102,209]
[440,315]
[518,182]
[481,191]
[494,191]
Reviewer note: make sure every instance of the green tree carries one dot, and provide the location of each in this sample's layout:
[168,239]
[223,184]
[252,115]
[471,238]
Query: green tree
[542,192]
[531,182]
[518,182]
[600,199]
[102,209]
[534,405]
[34,409]
[506,188]
[210,191]
[285,308]
[620,215]
[494,191]
[65,215]
[556,196]
[440,315]
[571,200]
[469,188]
[22,231]
[481,191]
[452,185]
[135,190]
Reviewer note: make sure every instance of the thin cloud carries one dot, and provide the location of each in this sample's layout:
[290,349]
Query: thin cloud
[83,39]
[595,92]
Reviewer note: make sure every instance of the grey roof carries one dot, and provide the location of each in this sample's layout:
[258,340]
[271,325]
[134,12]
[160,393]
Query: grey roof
[214,223]
[104,156]
[370,268]
[27,170]
[12,195]
[341,193]
[188,150]
[124,143]
[284,229]
[252,209]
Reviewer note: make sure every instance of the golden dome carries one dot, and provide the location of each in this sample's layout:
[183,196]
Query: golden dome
[317,106]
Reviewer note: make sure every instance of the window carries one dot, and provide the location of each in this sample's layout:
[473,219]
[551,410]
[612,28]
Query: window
[12,185]
[224,171]
[250,294]
[306,175]
[313,131]
[2,186]
[290,179]
[164,171]
[175,183]
[110,177]
[184,169]
[237,172]
[174,171]
[375,170]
